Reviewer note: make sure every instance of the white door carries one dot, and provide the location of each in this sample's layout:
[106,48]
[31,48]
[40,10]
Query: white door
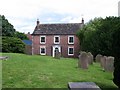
[55,48]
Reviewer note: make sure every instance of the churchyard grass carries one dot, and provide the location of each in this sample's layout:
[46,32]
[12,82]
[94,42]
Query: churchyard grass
[26,71]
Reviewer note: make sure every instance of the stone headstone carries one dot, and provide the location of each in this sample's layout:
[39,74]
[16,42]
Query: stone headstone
[57,54]
[83,86]
[83,60]
[103,62]
[90,58]
[98,57]
[109,64]
[3,57]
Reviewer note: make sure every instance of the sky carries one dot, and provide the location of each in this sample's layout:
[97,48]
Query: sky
[23,14]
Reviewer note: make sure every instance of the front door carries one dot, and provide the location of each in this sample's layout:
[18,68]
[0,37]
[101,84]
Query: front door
[56,47]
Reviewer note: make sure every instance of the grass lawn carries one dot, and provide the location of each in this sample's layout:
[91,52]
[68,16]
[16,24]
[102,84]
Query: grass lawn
[25,71]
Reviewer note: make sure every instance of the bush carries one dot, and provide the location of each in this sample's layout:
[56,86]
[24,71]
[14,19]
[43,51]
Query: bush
[11,44]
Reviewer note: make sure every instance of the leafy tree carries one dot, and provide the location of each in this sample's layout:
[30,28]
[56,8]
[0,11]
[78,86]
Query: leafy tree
[88,37]
[101,36]
[20,35]
[11,40]
[12,44]
[116,52]
[9,31]
[7,28]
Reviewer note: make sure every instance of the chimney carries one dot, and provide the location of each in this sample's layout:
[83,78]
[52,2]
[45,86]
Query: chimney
[28,32]
[38,22]
[82,21]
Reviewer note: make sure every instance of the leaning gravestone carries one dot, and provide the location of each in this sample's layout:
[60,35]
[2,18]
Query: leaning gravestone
[98,57]
[103,62]
[90,58]
[110,64]
[83,60]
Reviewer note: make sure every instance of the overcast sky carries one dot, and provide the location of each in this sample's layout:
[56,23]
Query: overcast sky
[24,13]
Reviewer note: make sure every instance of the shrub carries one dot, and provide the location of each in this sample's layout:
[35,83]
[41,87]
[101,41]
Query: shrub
[12,44]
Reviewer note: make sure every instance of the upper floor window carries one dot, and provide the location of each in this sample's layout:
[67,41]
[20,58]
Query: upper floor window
[56,39]
[70,39]
[42,39]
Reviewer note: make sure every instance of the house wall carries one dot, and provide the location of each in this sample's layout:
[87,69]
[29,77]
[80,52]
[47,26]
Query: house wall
[50,42]
[28,49]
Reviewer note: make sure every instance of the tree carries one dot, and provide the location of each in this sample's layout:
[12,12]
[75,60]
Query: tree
[12,44]
[9,31]
[101,36]
[20,35]
[88,37]
[11,40]
[7,28]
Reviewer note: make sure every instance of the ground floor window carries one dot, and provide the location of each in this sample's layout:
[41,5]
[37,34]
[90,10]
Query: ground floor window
[43,50]
[70,50]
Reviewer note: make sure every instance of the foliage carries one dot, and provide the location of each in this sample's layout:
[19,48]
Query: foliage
[11,44]
[116,52]
[7,28]
[20,35]
[9,31]
[47,72]
[11,38]
[97,35]
[88,37]
[101,36]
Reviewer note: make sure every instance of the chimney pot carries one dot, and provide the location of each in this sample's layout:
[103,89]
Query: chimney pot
[38,22]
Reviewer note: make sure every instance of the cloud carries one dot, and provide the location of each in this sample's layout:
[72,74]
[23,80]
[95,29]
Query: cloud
[24,13]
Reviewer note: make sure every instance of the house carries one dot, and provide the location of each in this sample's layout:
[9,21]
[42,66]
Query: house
[47,38]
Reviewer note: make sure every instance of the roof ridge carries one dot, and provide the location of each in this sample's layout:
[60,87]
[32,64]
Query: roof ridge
[58,23]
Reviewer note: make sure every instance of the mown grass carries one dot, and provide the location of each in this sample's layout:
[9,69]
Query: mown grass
[25,71]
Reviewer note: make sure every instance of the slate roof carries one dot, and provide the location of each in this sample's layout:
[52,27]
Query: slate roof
[57,29]
[27,42]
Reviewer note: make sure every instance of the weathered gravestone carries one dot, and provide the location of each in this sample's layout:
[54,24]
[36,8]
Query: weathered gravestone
[3,57]
[103,62]
[98,57]
[83,60]
[109,64]
[83,86]
[57,54]
[90,58]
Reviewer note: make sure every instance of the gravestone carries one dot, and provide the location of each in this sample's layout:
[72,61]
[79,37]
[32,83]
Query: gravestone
[57,54]
[3,57]
[90,58]
[83,86]
[110,64]
[103,62]
[83,60]
[98,57]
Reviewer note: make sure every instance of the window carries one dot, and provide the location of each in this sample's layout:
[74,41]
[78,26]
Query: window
[70,50]
[70,39]
[56,39]
[43,50]
[42,39]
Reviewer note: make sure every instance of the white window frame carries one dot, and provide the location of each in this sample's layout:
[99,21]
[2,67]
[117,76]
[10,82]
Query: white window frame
[40,40]
[58,39]
[40,50]
[69,39]
[68,51]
